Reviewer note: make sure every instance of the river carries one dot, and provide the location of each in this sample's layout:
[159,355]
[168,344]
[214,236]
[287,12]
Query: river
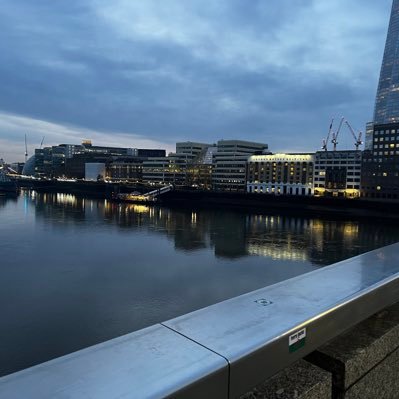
[76,271]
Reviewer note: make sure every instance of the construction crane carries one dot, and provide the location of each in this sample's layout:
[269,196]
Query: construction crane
[358,138]
[335,135]
[41,143]
[26,150]
[325,141]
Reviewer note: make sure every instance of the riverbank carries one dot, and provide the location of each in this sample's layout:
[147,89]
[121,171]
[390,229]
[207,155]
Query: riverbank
[312,206]
[262,203]
[98,189]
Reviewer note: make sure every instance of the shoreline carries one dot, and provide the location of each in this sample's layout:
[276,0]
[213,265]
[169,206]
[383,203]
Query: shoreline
[183,198]
[303,206]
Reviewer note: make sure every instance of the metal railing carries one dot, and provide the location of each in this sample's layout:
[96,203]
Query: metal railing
[224,350]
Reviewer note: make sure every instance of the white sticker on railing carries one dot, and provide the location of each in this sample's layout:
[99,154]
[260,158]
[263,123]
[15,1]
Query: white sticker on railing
[297,340]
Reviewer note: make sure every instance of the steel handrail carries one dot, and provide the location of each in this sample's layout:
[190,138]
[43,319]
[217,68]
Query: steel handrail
[224,350]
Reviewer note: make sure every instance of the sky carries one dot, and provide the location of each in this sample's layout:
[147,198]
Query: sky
[147,74]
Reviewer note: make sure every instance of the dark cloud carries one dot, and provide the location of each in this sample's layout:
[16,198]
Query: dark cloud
[272,71]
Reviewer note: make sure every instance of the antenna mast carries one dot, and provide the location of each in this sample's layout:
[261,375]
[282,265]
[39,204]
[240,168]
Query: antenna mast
[26,150]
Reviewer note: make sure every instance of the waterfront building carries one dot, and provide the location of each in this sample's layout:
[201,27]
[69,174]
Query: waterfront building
[230,163]
[199,171]
[95,171]
[185,167]
[74,168]
[387,99]
[368,142]
[156,169]
[165,170]
[337,173]
[126,169]
[191,150]
[69,159]
[280,174]
[17,167]
[380,169]
[29,167]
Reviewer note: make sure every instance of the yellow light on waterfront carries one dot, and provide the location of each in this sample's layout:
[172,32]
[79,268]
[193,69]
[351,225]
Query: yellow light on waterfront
[139,208]
[351,230]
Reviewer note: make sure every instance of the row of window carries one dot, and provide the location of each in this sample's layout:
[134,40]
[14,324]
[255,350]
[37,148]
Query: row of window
[280,190]
[349,179]
[281,181]
[337,155]
[385,153]
[280,163]
[382,160]
[349,186]
[357,167]
[329,162]
[384,132]
[323,173]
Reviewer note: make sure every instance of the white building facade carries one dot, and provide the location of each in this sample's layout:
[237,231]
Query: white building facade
[280,174]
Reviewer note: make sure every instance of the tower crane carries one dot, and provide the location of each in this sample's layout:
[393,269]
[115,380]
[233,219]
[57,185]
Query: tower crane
[325,141]
[335,135]
[358,139]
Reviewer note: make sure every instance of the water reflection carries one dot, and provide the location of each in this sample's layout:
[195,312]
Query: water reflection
[77,271]
[231,235]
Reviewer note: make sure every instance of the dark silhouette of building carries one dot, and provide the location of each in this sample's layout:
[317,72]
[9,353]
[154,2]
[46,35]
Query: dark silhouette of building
[68,160]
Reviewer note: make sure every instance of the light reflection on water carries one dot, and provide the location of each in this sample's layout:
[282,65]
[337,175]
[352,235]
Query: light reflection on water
[77,271]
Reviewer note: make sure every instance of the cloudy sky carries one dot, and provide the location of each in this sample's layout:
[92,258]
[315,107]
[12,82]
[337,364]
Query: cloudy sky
[148,73]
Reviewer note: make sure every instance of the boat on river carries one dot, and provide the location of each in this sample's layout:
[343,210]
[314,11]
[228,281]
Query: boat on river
[147,198]
[136,197]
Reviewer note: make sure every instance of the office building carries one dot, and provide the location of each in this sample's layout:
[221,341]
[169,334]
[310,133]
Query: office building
[185,167]
[68,160]
[127,169]
[280,174]
[337,173]
[199,172]
[95,171]
[230,163]
[387,99]
[191,150]
[380,169]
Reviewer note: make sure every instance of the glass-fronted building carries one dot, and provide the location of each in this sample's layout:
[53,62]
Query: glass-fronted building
[380,169]
[387,100]
[337,173]
[380,162]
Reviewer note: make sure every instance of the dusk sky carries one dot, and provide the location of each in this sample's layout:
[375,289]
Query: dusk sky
[150,73]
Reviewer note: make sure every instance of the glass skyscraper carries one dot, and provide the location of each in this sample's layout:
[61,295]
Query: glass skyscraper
[387,101]
[380,162]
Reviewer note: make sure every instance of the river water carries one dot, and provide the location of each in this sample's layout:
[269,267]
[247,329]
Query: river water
[75,271]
